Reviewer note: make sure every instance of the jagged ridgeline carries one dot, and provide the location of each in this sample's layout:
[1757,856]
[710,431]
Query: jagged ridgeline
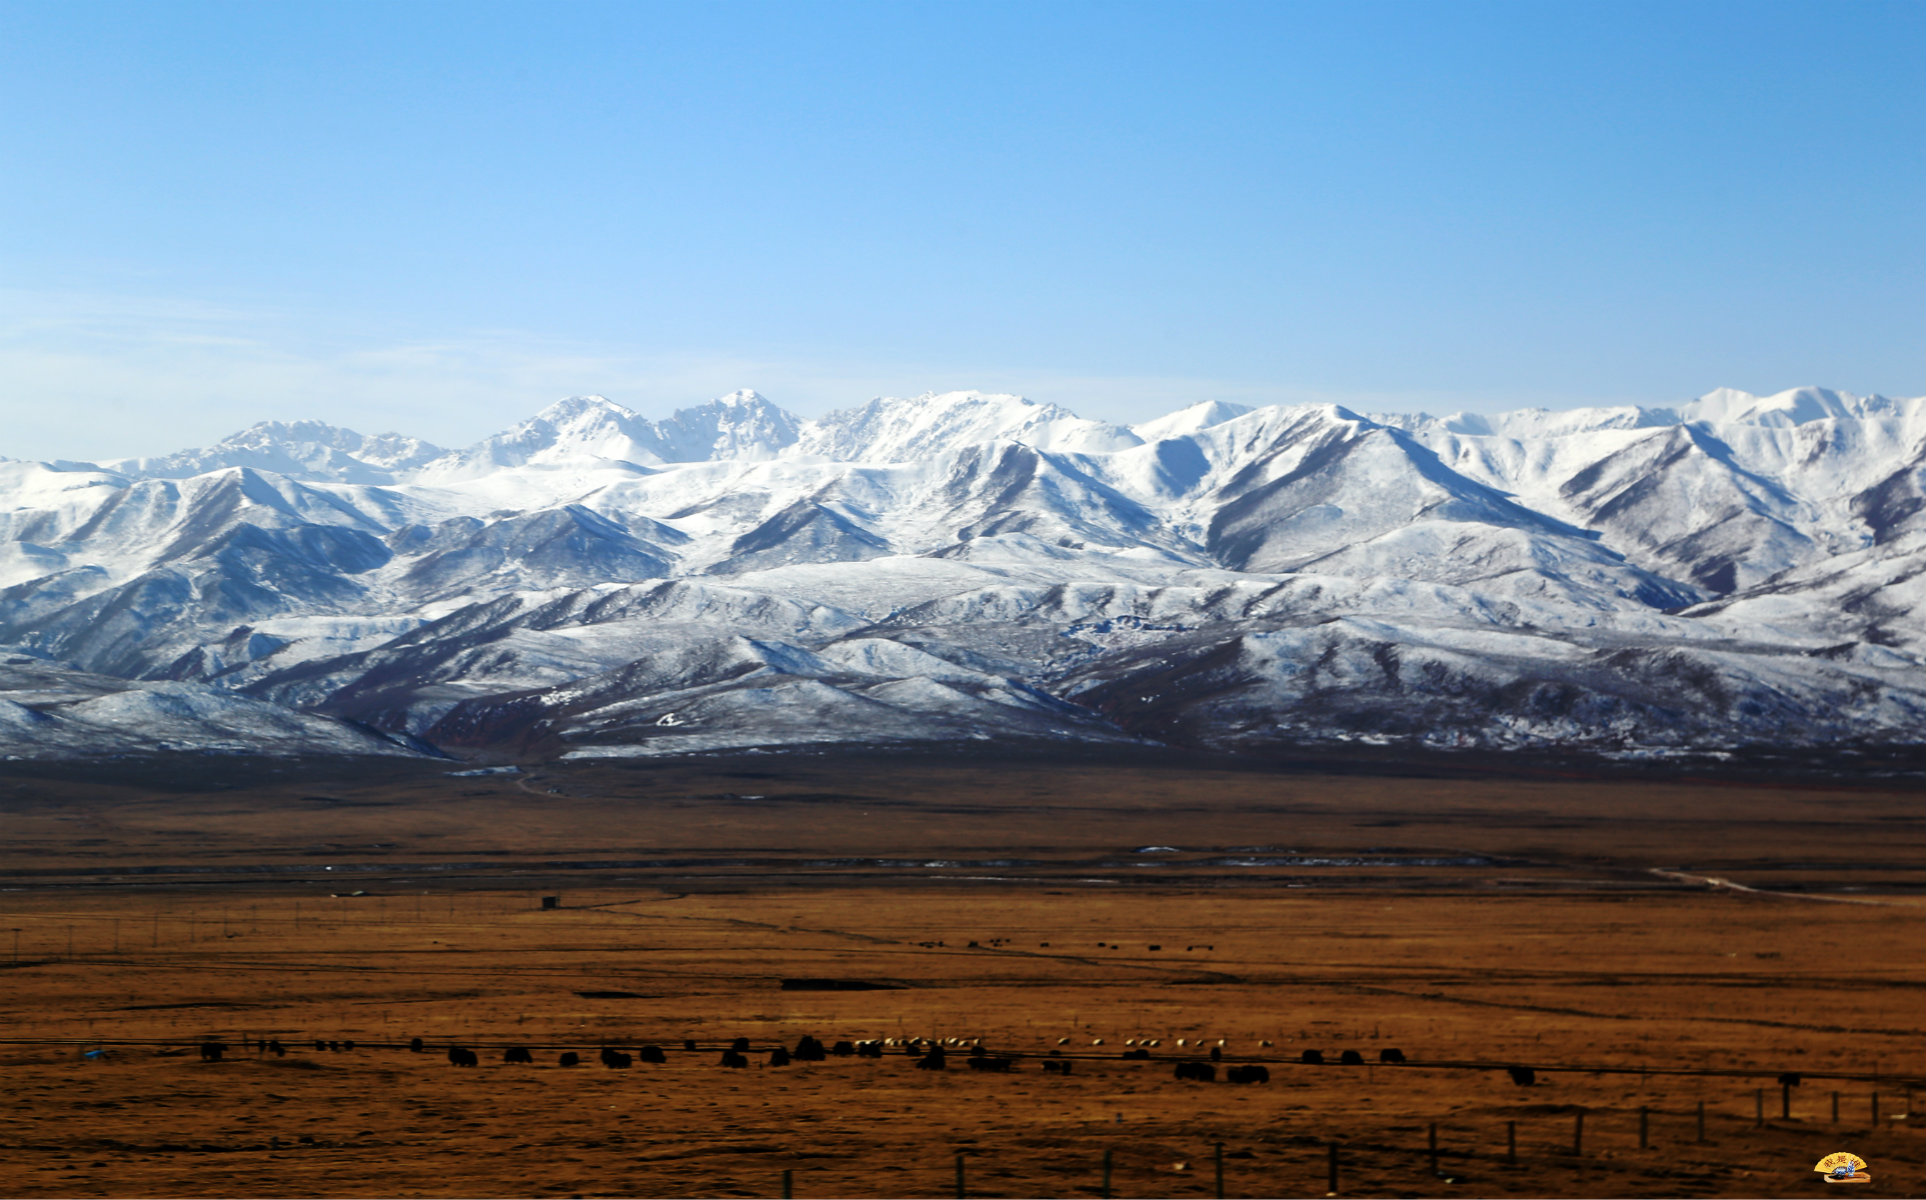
[1735,571]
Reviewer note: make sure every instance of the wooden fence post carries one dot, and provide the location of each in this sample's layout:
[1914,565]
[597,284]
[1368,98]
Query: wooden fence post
[788,1184]
[1578,1133]
[1511,1142]
[1785,1101]
[1334,1168]
[1434,1147]
[1701,1121]
[1105,1192]
[960,1193]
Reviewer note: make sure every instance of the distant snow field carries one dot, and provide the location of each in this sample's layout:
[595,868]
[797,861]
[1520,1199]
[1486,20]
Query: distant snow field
[1735,571]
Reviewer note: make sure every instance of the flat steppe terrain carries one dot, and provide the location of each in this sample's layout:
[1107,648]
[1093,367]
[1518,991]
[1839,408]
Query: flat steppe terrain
[1644,945]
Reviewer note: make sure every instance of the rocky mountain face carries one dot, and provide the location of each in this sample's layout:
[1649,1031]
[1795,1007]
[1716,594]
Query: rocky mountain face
[1735,571]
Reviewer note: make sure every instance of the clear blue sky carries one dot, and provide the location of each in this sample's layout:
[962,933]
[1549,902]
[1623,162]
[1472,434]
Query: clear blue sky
[438,218]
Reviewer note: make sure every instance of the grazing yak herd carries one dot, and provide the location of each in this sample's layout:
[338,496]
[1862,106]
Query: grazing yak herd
[1198,1063]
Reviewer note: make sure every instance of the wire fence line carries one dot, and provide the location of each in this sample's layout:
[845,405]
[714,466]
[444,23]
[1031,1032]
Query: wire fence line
[1574,1136]
[1445,1152]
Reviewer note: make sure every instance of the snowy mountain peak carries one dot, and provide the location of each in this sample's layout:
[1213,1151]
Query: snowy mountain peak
[1795,406]
[307,450]
[579,427]
[741,426]
[898,429]
[575,411]
[580,430]
[590,425]
[1184,421]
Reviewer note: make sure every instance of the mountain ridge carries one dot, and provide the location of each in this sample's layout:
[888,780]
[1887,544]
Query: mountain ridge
[969,565]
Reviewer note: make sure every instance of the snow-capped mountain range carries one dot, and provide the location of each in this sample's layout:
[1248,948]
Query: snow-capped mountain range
[1737,570]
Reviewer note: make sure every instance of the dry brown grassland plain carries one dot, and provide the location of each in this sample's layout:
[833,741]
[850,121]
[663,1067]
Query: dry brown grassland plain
[1560,923]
